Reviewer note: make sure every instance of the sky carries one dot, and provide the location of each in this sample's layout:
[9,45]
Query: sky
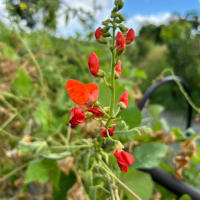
[137,12]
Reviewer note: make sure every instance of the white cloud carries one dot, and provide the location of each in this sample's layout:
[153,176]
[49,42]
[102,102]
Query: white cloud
[87,5]
[138,20]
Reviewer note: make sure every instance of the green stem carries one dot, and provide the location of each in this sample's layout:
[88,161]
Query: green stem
[106,169]
[189,100]
[111,189]
[2,179]
[68,134]
[112,100]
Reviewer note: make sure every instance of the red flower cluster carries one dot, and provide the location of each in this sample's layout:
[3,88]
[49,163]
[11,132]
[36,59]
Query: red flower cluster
[78,117]
[95,111]
[110,131]
[122,41]
[124,159]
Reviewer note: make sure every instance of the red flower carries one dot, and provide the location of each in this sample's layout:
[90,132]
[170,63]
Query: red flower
[96,112]
[124,159]
[120,43]
[118,68]
[130,36]
[78,117]
[93,63]
[81,93]
[124,100]
[98,33]
[110,131]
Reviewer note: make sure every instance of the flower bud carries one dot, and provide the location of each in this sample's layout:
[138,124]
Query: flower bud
[98,33]
[130,36]
[106,34]
[78,117]
[93,64]
[118,69]
[96,112]
[120,43]
[119,4]
[123,28]
[123,100]
[106,22]
[121,17]
[105,29]
[124,159]
[110,131]
[102,41]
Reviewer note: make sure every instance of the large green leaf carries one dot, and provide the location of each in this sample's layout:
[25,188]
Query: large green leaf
[138,182]
[39,171]
[23,84]
[61,184]
[148,155]
[132,116]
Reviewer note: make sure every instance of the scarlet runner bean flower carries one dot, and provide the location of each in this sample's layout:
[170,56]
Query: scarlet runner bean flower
[78,117]
[110,131]
[118,69]
[120,43]
[124,159]
[93,63]
[95,111]
[98,33]
[82,94]
[123,100]
[130,36]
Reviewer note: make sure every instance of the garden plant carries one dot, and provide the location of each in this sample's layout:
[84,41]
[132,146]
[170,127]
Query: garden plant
[79,129]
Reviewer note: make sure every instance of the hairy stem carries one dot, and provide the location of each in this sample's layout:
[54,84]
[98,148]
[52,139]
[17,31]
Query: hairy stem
[112,100]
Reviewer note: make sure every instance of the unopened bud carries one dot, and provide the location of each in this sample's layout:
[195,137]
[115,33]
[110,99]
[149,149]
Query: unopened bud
[106,109]
[106,34]
[119,4]
[121,17]
[102,41]
[123,28]
[105,29]
[106,22]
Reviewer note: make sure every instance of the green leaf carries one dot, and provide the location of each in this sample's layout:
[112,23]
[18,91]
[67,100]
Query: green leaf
[138,182]
[132,116]
[148,155]
[43,116]
[62,183]
[23,84]
[138,73]
[185,197]
[156,110]
[39,171]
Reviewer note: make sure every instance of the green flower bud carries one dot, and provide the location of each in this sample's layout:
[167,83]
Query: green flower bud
[102,41]
[121,17]
[106,22]
[120,4]
[105,29]
[123,28]
[113,14]
[106,34]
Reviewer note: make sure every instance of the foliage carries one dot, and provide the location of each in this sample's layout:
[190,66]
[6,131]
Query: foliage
[28,117]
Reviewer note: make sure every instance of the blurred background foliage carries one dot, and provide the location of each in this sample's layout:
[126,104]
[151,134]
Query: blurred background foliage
[25,111]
